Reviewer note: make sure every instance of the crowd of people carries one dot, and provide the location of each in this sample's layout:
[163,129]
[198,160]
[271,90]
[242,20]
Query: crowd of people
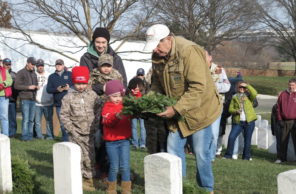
[88,103]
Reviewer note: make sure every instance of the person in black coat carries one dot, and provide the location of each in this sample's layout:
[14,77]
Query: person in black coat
[98,46]
[276,131]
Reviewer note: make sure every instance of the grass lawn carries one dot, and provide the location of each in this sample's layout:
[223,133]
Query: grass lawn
[231,176]
[268,85]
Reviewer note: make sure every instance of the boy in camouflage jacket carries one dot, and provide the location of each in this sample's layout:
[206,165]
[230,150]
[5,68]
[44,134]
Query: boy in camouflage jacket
[78,117]
[104,73]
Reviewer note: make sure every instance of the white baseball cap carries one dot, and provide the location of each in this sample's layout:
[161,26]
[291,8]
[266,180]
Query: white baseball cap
[154,34]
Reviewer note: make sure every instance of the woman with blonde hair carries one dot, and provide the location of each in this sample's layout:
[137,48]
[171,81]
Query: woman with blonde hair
[243,118]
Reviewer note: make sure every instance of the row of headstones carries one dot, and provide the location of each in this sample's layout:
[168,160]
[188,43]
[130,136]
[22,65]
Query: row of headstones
[262,137]
[163,173]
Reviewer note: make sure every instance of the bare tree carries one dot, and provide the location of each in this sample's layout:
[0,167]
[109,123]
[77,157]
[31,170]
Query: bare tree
[79,18]
[5,15]
[207,22]
[249,54]
[280,17]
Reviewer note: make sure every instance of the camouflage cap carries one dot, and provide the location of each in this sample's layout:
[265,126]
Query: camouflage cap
[105,59]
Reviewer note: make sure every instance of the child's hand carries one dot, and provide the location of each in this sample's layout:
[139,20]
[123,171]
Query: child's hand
[135,91]
[119,115]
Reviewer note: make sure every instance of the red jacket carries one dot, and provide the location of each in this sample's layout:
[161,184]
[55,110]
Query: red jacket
[286,106]
[114,128]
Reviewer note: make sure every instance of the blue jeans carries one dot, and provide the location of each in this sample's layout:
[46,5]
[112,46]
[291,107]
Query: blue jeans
[236,147]
[28,113]
[47,111]
[4,115]
[201,145]
[215,132]
[236,129]
[135,141]
[64,133]
[12,118]
[119,157]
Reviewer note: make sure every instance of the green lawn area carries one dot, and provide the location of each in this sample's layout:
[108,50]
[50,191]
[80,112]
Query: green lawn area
[231,176]
[268,85]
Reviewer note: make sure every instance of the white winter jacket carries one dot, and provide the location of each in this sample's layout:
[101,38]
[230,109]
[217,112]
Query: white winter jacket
[43,98]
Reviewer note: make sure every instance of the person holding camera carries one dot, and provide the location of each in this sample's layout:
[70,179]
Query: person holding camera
[243,118]
[58,84]
[27,84]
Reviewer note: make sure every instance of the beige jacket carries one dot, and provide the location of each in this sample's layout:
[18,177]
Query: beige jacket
[186,76]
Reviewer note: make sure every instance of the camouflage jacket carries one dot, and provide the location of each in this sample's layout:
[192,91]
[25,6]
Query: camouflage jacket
[78,112]
[97,77]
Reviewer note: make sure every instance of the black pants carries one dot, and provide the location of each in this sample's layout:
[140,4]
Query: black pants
[287,127]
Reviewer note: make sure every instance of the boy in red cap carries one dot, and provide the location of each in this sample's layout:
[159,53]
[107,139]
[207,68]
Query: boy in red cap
[77,115]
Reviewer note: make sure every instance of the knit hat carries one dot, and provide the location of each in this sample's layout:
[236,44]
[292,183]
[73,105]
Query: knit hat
[101,32]
[113,87]
[40,62]
[105,59]
[80,74]
[32,60]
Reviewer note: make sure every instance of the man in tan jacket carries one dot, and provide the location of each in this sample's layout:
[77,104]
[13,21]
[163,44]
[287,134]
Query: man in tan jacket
[179,70]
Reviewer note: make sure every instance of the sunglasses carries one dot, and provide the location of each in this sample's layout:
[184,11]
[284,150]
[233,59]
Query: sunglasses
[242,87]
[7,64]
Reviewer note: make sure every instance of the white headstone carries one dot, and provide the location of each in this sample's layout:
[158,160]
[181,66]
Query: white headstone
[290,152]
[5,165]
[258,121]
[67,169]
[271,138]
[254,140]
[163,174]
[286,182]
[225,137]
[229,121]
[272,145]
[264,124]
[263,138]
